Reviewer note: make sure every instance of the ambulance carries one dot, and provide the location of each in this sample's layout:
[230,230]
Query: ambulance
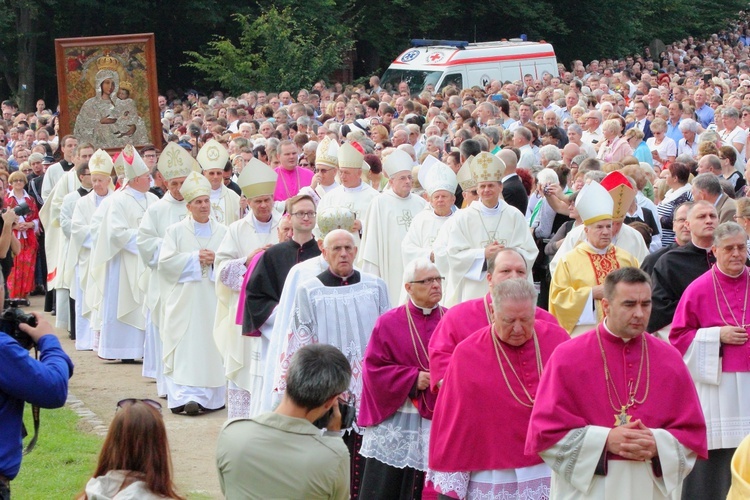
[433,64]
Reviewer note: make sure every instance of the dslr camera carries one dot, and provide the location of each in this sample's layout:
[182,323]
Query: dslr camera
[10,319]
[21,209]
[347,416]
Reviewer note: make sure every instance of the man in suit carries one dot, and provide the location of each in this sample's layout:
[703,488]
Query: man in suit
[708,187]
[640,108]
[514,193]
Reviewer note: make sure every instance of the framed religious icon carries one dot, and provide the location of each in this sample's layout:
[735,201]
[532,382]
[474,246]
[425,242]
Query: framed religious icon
[108,91]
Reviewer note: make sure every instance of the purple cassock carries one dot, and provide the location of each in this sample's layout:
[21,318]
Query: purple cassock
[392,363]
[699,308]
[573,391]
[248,273]
[458,323]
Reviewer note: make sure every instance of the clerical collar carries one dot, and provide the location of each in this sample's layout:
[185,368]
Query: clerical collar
[425,310]
[700,247]
[66,165]
[606,328]
[328,278]
[598,250]
[485,210]
[718,269]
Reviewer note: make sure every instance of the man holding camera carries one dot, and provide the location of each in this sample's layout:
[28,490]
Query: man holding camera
[281,454]
[42,383]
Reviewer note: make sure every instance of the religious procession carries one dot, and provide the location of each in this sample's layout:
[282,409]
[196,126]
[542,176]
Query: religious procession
[533,290]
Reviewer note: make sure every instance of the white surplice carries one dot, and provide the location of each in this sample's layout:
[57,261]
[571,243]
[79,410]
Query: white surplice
[386,224]
[357,199]
[468,233]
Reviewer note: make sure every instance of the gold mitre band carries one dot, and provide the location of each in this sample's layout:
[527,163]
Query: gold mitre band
[261,189]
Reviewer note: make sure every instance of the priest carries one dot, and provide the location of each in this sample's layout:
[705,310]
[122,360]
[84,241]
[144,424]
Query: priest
[225,203]
[116,265]
[100,168]
[244,241]
[192,363]
[710,331]
[577,285]
[174,165]
[482,415]
[353,194]
[616,413]
[326,170]
[292,177]
[463,319]
[387,222]
[477,233]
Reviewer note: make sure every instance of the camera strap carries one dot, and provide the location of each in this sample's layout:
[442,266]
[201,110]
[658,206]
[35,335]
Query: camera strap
[35,417]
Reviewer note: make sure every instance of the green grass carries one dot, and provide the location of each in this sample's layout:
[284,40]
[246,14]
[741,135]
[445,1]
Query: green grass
[61,463]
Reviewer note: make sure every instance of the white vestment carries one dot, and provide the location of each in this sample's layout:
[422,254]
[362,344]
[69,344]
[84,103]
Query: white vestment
[356,199]
[115,269]
[225,205]
[386,224]
[341,316]
[241,354]
[51,176]
[628,239]
[574,459]
[70,257]
[469,232]
[190,354]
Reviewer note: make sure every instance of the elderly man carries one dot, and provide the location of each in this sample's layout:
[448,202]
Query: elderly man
[592,132]
[465,459]
[192,364]
[243,243]
[476,234]
[225,203]
[710,331]
[323,311]
[463,319]
[627,426]
[708,187]
[326,170]
[395,389]
[116,266]
[174,166]
[578,281]
[353,193]
[709,164]
[387,223]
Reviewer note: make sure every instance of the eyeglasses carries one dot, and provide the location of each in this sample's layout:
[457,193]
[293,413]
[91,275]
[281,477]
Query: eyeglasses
[18,180]
[130,401]
[429,281]
[304,215]
[149,156]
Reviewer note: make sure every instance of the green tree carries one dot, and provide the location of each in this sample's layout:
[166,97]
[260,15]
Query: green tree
[279,49]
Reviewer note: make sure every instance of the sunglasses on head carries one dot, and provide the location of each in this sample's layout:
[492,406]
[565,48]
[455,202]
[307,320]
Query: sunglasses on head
[130,401]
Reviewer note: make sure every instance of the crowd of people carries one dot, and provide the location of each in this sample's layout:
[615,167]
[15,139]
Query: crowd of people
[604,209]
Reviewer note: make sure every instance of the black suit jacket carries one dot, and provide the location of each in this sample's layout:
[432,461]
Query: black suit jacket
[646,129]
[514,194]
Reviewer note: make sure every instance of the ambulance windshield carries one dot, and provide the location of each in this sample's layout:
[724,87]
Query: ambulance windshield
[416,80]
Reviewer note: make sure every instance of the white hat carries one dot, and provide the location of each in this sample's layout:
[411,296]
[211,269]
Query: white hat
[435,175]
[349,157]
[594,203]
[487,167]
[213,155]
[175,162]
[134,167]
[464,177]
[101,163]
[257,179]
[397,161]
[327,153]
[333,218]
[195,185]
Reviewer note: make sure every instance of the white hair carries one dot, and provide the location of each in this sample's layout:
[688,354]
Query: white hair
[547,176]
[550,152]
[335,233]
[419,264]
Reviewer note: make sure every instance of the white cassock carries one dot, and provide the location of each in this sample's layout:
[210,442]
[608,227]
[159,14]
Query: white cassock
[298,274]
[356,199]
[241,354]
[225,205]
[341,316]
[116,267]
[80,247]
[468,233]
[420,239]
[156,220]
[192,363]
[55,242]
[385,227]
[577,455]
[66,220]
[51,177]
[628,239]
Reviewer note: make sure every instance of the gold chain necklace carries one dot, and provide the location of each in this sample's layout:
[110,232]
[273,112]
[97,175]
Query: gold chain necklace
[498,349]
[416,338]
[717,288]
[623,418]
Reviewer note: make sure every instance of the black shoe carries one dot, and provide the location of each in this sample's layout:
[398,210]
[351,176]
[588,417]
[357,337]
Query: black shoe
[71,335]
[178,409]
[128,361]
[192,408]
[53,313]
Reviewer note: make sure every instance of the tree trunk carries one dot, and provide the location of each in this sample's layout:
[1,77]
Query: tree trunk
[26,56]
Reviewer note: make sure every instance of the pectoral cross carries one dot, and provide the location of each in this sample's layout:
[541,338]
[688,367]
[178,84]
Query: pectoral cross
[622,418]
[405,219]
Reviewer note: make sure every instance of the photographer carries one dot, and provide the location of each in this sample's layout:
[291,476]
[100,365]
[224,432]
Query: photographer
[23,379]
[282,454]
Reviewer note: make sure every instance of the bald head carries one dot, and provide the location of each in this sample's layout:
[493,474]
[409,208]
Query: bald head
[510,160]
[569,152]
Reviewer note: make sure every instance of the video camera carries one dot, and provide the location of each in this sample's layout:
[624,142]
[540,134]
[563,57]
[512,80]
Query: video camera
[10,318]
